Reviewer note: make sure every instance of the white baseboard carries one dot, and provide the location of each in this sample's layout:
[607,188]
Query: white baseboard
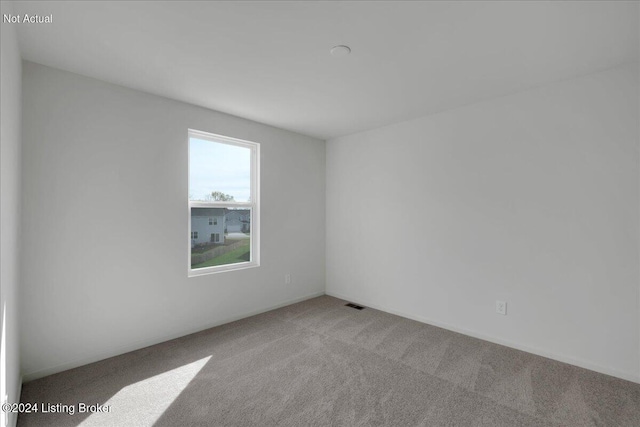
[548,354]
[157,340]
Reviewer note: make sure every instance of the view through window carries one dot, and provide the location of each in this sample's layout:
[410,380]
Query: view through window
[223,203]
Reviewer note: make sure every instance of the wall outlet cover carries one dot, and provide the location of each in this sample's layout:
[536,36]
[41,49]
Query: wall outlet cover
[501,307]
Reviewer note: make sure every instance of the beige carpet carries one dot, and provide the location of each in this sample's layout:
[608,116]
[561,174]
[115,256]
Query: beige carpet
[321,363]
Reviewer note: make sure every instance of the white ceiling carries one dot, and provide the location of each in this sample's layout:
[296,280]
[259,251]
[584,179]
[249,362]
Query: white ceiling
[270,61]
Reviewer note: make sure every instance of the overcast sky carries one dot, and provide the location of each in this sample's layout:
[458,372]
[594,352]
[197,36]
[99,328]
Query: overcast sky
[218,167]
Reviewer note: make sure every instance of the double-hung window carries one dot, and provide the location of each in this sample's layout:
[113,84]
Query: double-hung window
[223,203]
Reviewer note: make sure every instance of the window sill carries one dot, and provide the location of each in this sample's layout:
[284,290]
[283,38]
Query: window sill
[222,268]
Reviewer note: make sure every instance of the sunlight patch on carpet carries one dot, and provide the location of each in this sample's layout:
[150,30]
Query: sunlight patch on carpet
[144,402]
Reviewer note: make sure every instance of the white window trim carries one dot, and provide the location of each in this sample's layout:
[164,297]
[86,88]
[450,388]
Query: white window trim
[253,205]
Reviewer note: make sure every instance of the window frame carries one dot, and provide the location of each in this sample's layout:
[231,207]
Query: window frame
[253,205]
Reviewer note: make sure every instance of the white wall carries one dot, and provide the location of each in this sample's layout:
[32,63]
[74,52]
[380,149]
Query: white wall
[105,221]
[531,198]
[10,152]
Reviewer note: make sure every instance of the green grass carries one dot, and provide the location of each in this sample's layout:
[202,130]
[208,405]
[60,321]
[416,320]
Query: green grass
[208,246]
[237,255]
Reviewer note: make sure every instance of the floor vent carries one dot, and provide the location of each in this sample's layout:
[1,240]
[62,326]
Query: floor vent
[352,305]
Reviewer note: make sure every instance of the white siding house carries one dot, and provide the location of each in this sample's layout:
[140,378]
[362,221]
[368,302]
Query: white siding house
[207,225]
[238,221]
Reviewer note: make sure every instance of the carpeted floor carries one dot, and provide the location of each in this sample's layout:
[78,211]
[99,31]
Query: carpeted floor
[321,363]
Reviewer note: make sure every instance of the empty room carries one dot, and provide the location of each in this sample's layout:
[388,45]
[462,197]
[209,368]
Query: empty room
[320,213]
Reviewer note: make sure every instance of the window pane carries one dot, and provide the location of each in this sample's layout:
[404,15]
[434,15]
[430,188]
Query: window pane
[218,172]
[226,241]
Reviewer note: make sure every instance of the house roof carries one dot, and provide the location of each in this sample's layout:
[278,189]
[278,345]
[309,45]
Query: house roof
[207,211]
[217,211]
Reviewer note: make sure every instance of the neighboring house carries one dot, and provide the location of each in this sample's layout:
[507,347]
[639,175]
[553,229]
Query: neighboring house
[207,225]
[238,221]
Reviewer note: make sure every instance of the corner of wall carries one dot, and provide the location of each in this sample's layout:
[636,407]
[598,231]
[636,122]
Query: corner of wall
[10,207]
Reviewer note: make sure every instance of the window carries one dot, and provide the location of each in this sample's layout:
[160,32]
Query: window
[223,203]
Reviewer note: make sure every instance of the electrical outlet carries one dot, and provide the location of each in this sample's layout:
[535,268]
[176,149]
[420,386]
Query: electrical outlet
[287,279]
[501,307]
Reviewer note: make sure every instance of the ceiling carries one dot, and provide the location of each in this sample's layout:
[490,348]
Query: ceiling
[270,62]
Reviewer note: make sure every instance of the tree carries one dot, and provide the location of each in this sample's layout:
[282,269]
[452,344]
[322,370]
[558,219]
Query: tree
[219,196]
